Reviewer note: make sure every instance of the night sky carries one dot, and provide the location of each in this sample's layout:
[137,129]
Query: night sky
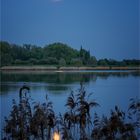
[108,28]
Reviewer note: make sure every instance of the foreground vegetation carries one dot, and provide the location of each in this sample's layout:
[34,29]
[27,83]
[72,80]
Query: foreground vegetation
[56,54]
[39,121]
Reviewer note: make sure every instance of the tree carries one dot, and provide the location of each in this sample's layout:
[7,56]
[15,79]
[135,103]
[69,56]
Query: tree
[51,55]
[5,54]
[102,62]
[84,56]
[36,52]
[62,62]
[59,50]
[92,61]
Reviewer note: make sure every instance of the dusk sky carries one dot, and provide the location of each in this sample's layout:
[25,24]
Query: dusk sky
[108,28]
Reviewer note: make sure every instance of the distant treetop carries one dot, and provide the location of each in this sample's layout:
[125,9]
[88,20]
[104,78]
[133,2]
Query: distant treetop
[58,54]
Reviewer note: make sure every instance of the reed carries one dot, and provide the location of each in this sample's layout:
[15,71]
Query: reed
[39,122]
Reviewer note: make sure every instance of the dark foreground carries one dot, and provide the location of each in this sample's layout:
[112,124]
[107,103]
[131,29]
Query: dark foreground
[29,120]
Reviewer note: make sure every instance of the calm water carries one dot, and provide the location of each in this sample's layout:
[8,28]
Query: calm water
[109,88]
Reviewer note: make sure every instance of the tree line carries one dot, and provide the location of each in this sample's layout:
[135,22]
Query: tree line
[58,54]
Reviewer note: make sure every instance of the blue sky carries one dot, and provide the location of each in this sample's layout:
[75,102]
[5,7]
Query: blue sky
[108,28]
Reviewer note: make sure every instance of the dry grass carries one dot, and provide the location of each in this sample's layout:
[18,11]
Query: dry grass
[54,68]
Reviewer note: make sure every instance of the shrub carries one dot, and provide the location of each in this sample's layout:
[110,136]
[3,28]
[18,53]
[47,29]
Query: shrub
[76,62]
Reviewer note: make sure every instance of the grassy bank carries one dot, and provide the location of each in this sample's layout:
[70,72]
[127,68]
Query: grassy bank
[54,68]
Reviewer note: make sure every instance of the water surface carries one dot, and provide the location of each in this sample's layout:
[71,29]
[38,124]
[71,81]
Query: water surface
[109,88]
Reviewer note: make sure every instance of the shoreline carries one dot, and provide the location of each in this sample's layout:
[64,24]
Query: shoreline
[61,69]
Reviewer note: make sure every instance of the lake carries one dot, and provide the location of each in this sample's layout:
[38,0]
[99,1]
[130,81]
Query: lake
[109,88]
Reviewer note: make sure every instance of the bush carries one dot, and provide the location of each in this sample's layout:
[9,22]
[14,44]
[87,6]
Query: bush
[33,61]
[20,62]
[76,62]
[42,61]
[52,60]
